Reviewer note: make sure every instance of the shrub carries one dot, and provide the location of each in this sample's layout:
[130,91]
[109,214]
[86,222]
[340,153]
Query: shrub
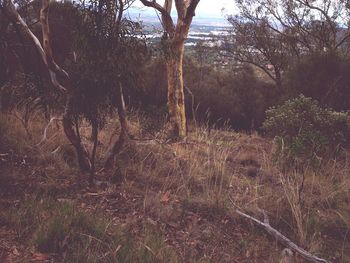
[12,135]
[302,128]
[237,97]
[323,76]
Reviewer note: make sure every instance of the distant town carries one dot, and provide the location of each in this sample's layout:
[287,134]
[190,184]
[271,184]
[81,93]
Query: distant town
[207,30]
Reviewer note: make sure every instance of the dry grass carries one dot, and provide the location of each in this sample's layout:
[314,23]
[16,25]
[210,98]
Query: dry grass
[183,189]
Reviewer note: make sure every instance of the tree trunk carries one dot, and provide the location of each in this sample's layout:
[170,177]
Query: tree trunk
[124,131]
[74,138]
[176,97]
[94,136]
[278,78]
[176,36]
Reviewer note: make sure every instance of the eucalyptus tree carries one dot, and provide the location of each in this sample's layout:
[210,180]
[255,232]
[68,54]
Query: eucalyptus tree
[111,51]
[174,43]
[104,53]
[272,34]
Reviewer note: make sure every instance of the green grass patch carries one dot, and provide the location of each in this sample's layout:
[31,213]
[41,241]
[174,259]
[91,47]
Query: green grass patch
[73,235]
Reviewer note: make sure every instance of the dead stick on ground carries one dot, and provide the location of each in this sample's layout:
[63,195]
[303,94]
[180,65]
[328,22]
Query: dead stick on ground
[281,238]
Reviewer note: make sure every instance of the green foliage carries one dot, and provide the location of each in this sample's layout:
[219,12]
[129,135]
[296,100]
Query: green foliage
[109,56]
[323,76]
[303,128]
[23,219]
[76,232]
[238,98]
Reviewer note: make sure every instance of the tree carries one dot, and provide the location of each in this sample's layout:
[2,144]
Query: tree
[111,54]
[101,24]
[273,34]
[174,42]
[58,76]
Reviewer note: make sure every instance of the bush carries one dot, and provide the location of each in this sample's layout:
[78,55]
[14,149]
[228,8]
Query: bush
[12,135]
[235,97]
[303,128]
[323,76]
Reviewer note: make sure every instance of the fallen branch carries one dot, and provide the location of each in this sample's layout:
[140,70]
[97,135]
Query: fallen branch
[281,238]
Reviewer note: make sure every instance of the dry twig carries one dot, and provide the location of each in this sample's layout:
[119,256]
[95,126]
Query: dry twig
[281,238]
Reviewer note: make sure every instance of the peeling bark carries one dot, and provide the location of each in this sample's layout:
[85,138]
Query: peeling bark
[175,36]
[176,97]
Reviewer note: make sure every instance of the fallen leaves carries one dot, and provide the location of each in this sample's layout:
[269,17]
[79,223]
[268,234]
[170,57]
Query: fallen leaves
[15,251]
[165,197]
[37,257]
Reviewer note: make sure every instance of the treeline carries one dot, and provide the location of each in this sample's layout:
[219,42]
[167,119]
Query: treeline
[286,49]
[275,51]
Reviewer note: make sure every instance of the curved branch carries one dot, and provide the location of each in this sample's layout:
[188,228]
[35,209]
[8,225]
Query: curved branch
[190,13]
[168,23]
[10,11]
[53,67]
[283,239]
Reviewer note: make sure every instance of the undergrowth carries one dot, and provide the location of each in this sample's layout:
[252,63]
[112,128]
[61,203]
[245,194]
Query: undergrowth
[185,190]
[62,230]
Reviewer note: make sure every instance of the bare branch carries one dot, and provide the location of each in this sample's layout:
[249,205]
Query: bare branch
[120,13]
[168,23]
[53,67]
[190,12]
[281,238]
[180,8]
[10,11]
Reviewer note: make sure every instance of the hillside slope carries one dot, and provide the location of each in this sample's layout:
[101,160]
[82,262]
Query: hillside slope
[166,202]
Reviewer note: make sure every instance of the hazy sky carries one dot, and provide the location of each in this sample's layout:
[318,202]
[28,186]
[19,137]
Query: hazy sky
[214,8]
[209,8]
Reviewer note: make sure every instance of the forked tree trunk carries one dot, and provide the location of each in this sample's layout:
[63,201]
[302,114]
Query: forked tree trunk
[176,34]
[61,80]
[124,131]
[75,140]
[57,71]
[176,97]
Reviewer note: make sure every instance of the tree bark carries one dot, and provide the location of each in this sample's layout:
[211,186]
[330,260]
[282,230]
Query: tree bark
[175,36]
[75,140]
[94,136]
[45,54]
[124,131]
[176,97]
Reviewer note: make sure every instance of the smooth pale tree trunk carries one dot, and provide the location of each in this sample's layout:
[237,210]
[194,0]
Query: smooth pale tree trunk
[175,36]
[176,97]
[74,138]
